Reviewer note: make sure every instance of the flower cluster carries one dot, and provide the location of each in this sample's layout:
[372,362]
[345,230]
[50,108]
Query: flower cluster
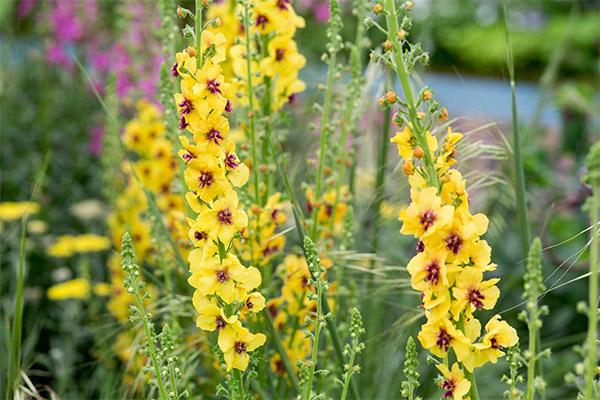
[224,293]
[331,209]
[277,60]
[452,258]
[68,245]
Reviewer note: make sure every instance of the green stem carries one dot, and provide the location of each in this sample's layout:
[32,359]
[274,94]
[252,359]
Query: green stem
[471,378]
[533,317]
[198,20]
[149,336]
[592,355]
[403,76]
[315,349]
[324,129]
[349,372]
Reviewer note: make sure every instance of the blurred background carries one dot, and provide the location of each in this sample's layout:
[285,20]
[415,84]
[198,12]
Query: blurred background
[47,105]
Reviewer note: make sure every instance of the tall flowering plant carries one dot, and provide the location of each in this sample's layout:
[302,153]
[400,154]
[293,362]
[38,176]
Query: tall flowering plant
[448,269]
[224,288]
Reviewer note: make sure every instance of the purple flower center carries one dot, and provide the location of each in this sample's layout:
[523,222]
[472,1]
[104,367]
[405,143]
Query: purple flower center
[174,72]
[214,136]
[228,107]
[222,276]
[448,387]
[427,219]
[183,123]
[249,304]
[231,161]
[205,179]
[494,343]
[453,243]
[240,347]
[187,157]
[199,235]
[269,250]
[186,106]
[443,340]
[261,21]
[279,53]
[475,297]
[225,217]
[220,322]
[212,86]
[420,246]
[433,273]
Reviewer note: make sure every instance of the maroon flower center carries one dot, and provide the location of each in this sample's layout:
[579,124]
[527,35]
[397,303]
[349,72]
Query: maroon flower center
[183,123]
[214,136]
[186,106]
[282,4]
[187,157]
[453,243]
[427,219]
[249,304]
[443,340]
[199,235]
[275,213]
[291,98]
[269,250]
[279,53]
[262,21]
[475,298]
[225,217]
[222,275]
[228,107]
[433,273]
[448,386]
[213,86]
[329,210]
[220,322]
[420,246]
[494,343]
[205,179]
[240,347]
[174,72]
[231,161]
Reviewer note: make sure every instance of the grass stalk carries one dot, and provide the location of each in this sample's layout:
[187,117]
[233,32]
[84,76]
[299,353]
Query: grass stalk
[592,336]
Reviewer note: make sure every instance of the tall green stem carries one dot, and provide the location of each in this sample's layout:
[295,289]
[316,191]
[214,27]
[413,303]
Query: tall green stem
[592,355]
[324,129]
[533,317]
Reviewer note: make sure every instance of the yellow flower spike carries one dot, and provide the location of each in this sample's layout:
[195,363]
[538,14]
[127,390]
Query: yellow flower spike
[236,343]
[224,219]
[472,293]
[441,335]
[211,316]
[454,384]
[425,214]
[74,289]
[220,278]
[206,177]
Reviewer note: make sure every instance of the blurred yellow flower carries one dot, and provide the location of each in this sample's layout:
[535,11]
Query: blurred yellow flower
[37,226]
[10,211]
[74,289]
[67,245]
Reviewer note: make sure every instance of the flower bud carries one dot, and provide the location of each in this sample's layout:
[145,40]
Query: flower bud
[408,168]
[426,95]
[409,5]
[205,3]
[180,12]
[391,96]
[444,114]
[401,34]
[418,152]
[217,22]
[388,45]
[192,52]
[377,8]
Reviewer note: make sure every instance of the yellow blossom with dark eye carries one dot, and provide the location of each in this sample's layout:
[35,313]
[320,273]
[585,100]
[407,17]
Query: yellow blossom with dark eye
[405,141]
[254,303]
[283,57]
[428,270]
[440,335]
[471,293]
[223,219]
[454,384]
[212,277]
[205,176]
[456,238]
[498,335]
[210,133]
[197,233]
[236,171]
[425,214]
[211,316]
[210,85]
[235,343]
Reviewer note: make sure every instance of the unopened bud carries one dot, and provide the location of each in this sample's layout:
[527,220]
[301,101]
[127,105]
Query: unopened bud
[377,8]
[426,95]
[409,5]
[418,152]
[180,12]
[408,168]
[388,45]
[217,22]
[327,171]
[205,3]
[391,96]
[401,34]
[192,52]
[381,100]
[263,168]
[444,114]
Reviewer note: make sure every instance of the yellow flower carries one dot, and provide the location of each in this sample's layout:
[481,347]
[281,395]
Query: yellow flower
[454,385]
[213,46]
[428,271]
[425,214]
[210,133]
[405,142]
[237,171]
[74,289]
[206,177]
[102,289]
[67,245]
[499,334]
[10,211]
[254,303]
[457,239]
[471,293]
[438,336]
[211,315]
[224,219]
[236,343]
[210,85]
[283,58]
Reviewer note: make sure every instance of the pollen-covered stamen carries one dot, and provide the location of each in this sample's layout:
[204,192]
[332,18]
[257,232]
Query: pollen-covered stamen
[214,136]
[183,123]
[222,275]
[186,106]
[228,107]
[212,85]
[476,298]
[240,347]
[453,243]
[433,272]
[443,340]
[420,246]
[231,161]
[262,21]
[174,72]
[200,235]
[427,219]
[225,217]
[448,387]
[279,54]
[205,179]
[220,322]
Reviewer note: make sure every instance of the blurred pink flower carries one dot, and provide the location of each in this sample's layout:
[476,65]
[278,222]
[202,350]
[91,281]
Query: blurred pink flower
[57,55]
[25,8]
[95,144]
